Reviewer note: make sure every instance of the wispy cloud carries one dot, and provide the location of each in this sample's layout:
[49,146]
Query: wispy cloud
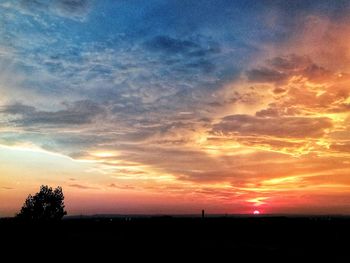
[7,188]
[82,186]
[72,9]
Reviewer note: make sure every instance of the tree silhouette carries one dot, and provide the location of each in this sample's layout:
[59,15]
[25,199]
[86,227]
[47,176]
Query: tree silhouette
[47,204]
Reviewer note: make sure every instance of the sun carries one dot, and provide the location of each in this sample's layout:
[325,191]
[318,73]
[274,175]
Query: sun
[256,212]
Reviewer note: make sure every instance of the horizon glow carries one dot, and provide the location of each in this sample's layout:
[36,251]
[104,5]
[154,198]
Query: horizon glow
[154,107]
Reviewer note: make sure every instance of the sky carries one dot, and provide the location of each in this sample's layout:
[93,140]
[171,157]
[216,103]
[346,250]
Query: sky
[171,107]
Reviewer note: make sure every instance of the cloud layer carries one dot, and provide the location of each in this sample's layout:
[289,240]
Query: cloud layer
[238,105]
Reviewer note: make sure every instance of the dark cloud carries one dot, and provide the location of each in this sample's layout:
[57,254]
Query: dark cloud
[170,46]
[279,69]
[185,56]
[80,112]
[279,90]
[18,108]
[266,75]
[291,62]
[287,127]
[79,140]
[80,186]
[189,54]
[315,72]
[270,112]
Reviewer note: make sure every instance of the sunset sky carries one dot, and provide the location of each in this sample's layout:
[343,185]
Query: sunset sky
[170,107]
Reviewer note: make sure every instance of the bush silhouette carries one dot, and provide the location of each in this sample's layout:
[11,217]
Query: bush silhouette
[47,204]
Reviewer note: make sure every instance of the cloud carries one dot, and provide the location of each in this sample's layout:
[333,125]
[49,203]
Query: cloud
[18,109]
[195,54]
[73,6]
[173,46]
[81,186]
[266,75]
[269,112]
[7,188]
[306,88]
[80,112]
[290,63]
[72,9]
[285,127]
[122,187]
[341,147]
[280,69]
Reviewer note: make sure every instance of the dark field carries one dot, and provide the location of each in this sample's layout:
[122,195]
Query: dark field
[277,238]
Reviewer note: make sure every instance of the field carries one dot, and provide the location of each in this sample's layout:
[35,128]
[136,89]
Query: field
[275,238]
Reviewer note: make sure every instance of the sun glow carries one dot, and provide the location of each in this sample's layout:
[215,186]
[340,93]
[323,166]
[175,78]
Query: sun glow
[256,212]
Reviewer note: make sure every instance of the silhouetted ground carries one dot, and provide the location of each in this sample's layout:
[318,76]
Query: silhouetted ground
[276,238]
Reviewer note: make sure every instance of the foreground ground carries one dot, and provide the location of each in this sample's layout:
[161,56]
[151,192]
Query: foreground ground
[279,238]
